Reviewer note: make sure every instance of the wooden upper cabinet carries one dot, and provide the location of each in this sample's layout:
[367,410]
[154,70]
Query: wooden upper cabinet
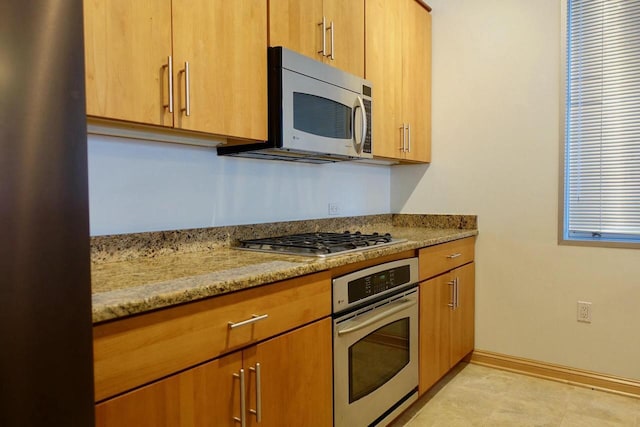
[127,45]
[297,25]
[347,50]
[224,44]
[384,70]
[294,24]
[416,81]
[398,63]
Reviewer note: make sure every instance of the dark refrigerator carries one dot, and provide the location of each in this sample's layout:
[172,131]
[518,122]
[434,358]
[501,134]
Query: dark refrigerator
[46,374]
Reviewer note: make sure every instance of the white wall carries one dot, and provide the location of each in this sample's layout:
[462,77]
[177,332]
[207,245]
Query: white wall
[137,186]
[496,147]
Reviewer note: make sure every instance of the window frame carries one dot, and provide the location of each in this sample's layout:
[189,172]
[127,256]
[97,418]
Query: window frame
[562,193]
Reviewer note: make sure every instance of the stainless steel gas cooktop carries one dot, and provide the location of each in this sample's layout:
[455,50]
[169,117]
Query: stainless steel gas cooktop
[320,244]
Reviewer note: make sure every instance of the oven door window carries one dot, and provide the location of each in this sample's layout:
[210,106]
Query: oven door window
[377,358]
[321,116]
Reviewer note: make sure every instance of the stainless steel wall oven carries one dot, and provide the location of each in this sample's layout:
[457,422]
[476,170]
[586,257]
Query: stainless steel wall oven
[375,342]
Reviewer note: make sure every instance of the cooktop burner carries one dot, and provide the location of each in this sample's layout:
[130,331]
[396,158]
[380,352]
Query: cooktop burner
[319,244]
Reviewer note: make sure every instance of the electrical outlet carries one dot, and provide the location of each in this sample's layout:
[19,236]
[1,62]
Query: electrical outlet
[584,311]
[334,209]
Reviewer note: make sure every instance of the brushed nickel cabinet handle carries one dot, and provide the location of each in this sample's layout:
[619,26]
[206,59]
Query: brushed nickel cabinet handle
[332,46]
[452,304]
[324,37]
[403,138]
[187,90]
[258,411]
[452,256]
[409,138]
[254,318]
[169,67]
[243,403]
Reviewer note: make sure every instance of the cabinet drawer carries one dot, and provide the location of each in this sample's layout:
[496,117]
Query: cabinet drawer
[135,351]
[438,259]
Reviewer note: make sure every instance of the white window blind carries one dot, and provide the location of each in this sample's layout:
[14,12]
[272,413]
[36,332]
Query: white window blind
[602,141]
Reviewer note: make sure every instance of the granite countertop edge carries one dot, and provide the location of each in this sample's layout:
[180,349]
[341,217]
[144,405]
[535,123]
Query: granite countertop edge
[255,269]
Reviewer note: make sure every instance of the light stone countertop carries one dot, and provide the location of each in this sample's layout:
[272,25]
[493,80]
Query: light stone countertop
[124,287]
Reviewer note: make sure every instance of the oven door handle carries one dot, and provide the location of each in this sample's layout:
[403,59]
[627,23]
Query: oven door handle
[386,313]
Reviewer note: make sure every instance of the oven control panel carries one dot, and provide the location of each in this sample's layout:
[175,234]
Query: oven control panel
[371,283]
[377,283]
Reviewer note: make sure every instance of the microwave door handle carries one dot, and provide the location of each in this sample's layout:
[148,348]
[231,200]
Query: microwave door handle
[386,313]
[364,124]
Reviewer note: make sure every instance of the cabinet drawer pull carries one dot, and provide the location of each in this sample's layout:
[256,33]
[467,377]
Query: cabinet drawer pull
[404,136]
[254,318]
[243,403]
[452,256]
[409,137]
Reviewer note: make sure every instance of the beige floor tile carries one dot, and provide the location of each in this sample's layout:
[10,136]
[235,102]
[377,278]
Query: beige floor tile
[526,412]
[443,419]
[585,420]
[604,406]
[473,395]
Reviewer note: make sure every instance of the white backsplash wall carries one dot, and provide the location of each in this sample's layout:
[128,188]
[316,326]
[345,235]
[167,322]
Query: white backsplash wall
[137,186]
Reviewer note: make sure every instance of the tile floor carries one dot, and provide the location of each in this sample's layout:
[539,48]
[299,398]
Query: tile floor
[474,395]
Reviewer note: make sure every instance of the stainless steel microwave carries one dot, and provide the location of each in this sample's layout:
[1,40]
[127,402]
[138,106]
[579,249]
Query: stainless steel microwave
[317,113]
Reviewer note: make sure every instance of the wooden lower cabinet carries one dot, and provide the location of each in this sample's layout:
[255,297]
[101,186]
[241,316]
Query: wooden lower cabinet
[446,332]
[296,388]
[297,377]
[202,396]
[463,317]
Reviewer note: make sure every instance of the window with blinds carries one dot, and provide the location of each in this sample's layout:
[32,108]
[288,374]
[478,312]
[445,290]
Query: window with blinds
[602,123]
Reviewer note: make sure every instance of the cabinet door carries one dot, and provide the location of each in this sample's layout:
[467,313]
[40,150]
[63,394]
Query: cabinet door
[462,333]
[417,81]
[224,43]
[348,41]
[208,395]
[435,329]
[295,25]
[384,70]
[296,378]
[127,45]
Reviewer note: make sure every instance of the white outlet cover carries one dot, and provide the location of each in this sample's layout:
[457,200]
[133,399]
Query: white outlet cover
[584,312]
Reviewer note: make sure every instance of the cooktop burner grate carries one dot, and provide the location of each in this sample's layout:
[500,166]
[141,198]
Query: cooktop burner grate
[319,244]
